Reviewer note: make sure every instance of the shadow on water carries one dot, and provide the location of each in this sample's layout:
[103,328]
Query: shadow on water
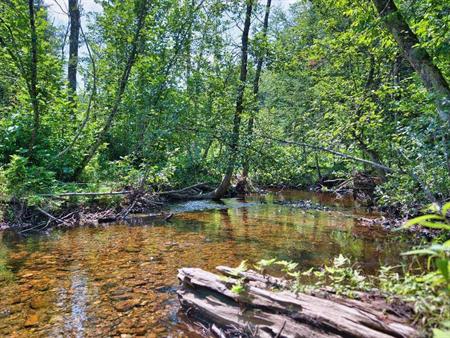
[120,279]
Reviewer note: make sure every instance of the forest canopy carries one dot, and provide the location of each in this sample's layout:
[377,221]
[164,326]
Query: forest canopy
[169,93]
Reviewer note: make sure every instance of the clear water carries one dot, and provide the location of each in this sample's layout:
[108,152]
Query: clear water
[120,280]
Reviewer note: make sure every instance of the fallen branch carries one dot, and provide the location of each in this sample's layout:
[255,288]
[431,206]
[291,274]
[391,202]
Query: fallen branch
[331,151]
[68,194]
[53,218]
[194,192]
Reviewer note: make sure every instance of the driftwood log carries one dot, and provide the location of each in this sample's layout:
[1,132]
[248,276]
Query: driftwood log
[261,312]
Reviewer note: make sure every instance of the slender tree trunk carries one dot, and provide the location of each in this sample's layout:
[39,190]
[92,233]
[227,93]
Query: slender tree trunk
[319,174]
[226,181]
[374,157]
[206,151]
[120,90]
[417,56]
[259,66]
[33,75]
[74,37]
[188,47]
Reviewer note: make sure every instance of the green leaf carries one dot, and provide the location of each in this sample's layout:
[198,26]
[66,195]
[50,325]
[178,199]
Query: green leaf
[241,268]
[435,225]
[340,261]
[420,252]
[308,272]
[445,209]
[421,219]
[438,333]
[442,265]
[265,262]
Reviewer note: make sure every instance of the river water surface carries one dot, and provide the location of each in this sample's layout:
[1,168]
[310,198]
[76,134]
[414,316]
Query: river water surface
[120,280]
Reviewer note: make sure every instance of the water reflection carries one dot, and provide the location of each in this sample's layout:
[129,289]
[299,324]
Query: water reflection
[119,280]
[78,304]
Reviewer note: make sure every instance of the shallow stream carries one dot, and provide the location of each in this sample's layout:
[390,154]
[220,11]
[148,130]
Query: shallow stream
[120,280]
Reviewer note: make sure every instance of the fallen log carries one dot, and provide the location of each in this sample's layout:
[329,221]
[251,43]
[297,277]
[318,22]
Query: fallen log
[197,191]
[259,311]
[69,194]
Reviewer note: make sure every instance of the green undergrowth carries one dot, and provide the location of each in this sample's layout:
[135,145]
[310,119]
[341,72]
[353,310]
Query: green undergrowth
[26,185]
[426,293]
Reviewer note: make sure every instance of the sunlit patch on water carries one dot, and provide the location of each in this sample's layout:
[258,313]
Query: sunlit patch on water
[202,205]
[78,302]
[121,280]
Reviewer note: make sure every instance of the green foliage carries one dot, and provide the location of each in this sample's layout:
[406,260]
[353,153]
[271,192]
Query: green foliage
[239,287]
[437,253]
[333,76]
[426,292]
[438,281]
[263,264]
[342,277]
[286,266]
[431,302]
[23,180]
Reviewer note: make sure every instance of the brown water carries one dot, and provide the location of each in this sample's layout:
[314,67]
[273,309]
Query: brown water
[119,280]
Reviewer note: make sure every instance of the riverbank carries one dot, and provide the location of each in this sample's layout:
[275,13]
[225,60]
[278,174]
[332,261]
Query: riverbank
[73,209]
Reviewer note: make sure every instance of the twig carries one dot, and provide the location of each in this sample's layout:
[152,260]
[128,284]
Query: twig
[52,217]
[281,330]
[33,228]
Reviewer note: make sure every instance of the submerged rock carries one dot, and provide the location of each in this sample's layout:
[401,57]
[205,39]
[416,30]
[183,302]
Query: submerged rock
[38,302]
[126,305]
[32,320]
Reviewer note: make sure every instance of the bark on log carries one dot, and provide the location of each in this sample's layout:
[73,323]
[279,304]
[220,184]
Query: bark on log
[261,312]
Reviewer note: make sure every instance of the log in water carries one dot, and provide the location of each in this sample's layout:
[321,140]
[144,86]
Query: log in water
[258,311]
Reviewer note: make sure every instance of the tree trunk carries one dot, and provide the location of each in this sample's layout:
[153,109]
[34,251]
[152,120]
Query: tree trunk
[259,66]
[373,155]
[419,58]
[33,75]
[120,90]
[74,15]
[226,181]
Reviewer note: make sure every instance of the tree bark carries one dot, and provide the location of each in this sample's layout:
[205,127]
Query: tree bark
[120,90]
[259,65]
[33,76]
[74,37]
[221,190]
[90,101]
[417,56]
